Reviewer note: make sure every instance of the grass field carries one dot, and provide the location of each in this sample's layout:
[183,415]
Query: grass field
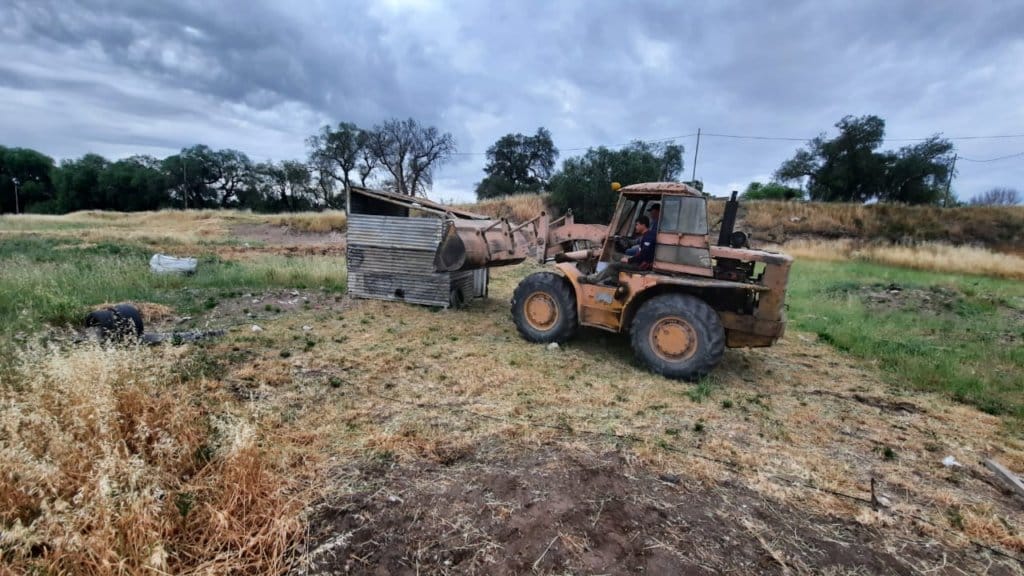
[232,455]
[960,335]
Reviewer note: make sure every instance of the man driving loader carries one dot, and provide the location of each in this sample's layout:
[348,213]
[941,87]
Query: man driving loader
[654,213]
[642,260]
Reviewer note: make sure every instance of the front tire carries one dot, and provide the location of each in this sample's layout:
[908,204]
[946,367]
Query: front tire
[678,336]
[544,308]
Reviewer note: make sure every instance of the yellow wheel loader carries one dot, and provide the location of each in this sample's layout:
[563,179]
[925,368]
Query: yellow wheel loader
[697,299]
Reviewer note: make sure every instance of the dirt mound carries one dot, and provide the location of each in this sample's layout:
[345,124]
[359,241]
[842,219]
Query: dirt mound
[558,511]
[933,299]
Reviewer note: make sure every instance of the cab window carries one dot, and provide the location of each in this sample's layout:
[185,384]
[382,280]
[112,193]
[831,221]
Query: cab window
[683,215]
[624,227]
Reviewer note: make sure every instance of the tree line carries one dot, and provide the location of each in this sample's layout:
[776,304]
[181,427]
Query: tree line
[850,167]
[403,155]
[400,155]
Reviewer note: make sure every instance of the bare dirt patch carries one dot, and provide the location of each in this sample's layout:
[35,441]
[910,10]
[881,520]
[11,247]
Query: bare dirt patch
[935,300]
[559,511]
[267,238]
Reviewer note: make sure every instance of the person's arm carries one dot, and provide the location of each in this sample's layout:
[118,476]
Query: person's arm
[646,253]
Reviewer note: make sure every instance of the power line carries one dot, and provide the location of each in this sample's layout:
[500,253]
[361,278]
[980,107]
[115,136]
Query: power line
[581,148]
[1017,155]
[779,139]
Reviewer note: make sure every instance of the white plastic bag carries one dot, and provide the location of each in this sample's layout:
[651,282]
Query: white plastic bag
[163,264]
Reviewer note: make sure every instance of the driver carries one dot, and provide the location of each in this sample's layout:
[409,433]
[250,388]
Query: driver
[654,213]
[642,260]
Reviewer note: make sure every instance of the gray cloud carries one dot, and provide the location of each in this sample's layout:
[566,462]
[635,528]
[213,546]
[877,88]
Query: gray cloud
[121,78]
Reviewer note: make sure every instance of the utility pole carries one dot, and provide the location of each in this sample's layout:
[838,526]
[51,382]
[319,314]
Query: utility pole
[17,209]
[184,179]
[696,149]
[949,182]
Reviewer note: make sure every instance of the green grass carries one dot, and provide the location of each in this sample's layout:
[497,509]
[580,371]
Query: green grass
[959,335]
[56,280]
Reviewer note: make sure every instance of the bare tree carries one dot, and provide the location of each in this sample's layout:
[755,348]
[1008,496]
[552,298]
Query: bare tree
[997,197]
[333,155]
[409,152]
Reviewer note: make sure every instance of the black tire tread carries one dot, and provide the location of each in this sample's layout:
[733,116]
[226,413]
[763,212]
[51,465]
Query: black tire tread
[561,291]
[705,321]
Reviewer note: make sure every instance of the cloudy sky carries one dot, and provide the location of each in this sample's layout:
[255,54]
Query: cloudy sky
[152,77]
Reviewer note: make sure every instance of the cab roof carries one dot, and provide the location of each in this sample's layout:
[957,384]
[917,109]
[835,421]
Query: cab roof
[648,188]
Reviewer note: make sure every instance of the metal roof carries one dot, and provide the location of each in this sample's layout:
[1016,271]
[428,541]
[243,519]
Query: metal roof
[661,188]
[415,203]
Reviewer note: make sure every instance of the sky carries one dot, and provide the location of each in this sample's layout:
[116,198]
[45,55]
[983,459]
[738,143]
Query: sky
[153,77]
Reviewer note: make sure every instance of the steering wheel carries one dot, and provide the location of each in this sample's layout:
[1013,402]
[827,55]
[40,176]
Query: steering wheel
[622,243]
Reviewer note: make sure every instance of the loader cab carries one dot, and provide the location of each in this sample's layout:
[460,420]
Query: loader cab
[682,241]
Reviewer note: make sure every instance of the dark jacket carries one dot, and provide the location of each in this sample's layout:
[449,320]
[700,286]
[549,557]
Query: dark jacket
[645,257]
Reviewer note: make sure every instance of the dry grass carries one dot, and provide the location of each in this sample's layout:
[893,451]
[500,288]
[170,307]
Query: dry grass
[317,222]
[188,227]
[518,208]
[931,256]
[109,469]
[1000,228]
[768,412]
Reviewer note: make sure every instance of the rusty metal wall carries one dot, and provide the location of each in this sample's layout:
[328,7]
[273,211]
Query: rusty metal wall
[396,232]
[481,278]
[392,258]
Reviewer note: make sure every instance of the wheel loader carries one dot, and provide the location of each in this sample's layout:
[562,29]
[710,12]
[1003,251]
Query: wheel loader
[697,298]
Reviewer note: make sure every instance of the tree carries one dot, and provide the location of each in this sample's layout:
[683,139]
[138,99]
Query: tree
[32,171]
[584,183]
[284,186]
[518,163]
[771,191]
[410,153]
[133,184]
[233,172]
[997,197]
[848,168]
[193,174]
[77,184]
[918,174]
[333,155]
[844,169]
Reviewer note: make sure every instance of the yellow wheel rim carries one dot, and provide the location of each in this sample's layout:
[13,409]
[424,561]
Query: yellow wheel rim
[541,311]
[673,339]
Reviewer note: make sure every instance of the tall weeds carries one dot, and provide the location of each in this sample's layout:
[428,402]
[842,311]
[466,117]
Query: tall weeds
[518,208]
[110,468]
[931,256]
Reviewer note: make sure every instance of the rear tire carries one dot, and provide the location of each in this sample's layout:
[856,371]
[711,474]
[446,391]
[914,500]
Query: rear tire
[544,308]
[678,336]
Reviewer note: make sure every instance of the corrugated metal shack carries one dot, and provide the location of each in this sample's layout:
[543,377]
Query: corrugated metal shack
[392,254]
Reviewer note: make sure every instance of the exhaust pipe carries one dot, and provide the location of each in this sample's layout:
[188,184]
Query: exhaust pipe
[728,220]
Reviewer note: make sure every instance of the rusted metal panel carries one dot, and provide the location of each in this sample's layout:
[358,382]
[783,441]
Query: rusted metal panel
[363,258]
[481,278]
[422,234]
[429,290]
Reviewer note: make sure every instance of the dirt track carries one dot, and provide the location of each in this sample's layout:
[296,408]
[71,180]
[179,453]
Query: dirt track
[551,511]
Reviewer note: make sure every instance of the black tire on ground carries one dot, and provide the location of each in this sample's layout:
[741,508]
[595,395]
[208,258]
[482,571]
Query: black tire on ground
[544,308]
[456,299]
[678,336]
[116,322]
